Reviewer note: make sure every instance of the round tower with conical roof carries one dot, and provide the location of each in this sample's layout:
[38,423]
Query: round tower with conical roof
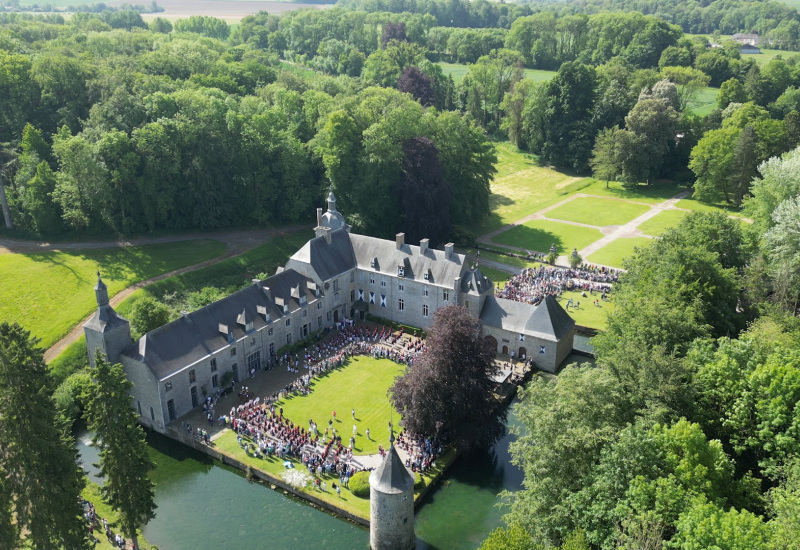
[391,504]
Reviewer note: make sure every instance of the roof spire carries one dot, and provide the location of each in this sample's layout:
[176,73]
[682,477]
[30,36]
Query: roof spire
[331,200]
[101,291]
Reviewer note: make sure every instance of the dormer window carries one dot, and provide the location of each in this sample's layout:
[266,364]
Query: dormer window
[401,271]
[249,327]
[426,276]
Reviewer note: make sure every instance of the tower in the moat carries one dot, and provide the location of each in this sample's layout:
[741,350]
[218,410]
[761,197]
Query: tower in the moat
[391,504]
[106,330]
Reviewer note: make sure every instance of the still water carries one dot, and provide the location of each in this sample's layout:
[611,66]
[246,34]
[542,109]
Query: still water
[204,505]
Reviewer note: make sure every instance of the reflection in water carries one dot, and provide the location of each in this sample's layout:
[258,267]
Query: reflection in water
[204,505]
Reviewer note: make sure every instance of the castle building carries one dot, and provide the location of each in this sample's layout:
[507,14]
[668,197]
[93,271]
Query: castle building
[391,504]
[335,275]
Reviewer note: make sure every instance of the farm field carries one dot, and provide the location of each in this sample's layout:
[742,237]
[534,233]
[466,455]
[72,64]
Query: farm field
[661,222]
[539,235]
[598,211]
[49,292]
[613,253]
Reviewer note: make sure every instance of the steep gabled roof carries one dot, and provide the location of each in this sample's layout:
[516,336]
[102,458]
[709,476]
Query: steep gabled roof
[328,259]
[548,320]
[442,270]
[391,477]
[475,282]
[196,335]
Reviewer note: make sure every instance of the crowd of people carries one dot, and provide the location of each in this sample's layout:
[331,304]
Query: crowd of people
[534,284]
[263,431]
[422,451]
[95,522]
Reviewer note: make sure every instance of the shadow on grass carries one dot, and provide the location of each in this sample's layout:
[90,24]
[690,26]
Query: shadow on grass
[530,238]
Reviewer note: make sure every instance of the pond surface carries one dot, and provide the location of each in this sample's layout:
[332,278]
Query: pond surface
[204,505]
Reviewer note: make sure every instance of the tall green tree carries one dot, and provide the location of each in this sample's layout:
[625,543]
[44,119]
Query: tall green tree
[38,461]
[124,459]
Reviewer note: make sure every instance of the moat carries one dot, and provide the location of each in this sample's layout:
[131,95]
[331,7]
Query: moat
[204,505]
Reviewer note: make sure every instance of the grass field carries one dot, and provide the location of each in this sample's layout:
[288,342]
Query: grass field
[458,70]
[691,203]
[49,292]
[362,385]
[661,222]
[704,102]
[92,493]
[655,193]
[521,187]
[539,235]
[599,212]
[613,253]
[588,315]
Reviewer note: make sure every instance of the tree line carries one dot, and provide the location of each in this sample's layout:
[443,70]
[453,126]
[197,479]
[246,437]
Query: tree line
[139,130]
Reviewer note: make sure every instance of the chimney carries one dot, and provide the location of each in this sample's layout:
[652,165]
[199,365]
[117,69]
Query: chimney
[319,217]
[448,250]
[400,240]
[328,235]
[267,291]
[423,246]
[456,283]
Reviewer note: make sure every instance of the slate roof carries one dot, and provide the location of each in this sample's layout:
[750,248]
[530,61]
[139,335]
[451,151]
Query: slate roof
[104,319]
[391,477]
[475,282]
[186,340]
[442,271]
[328,259]
[548,320]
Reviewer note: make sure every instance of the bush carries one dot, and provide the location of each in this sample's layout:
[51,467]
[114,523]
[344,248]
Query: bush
[68,395]
[359,484]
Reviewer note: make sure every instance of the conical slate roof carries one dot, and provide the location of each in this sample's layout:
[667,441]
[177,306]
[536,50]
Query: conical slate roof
[391,477]
[550,318]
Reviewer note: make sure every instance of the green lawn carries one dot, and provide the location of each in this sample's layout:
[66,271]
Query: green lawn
[598,211]
[500,257]
[691,203]
[49,292]
[496,276]
[768,55]
[613,253]
[704,102]
[363,385]
[588,315]
[458,70]
[539,235]
[656,193]
[661,222]
[521,187]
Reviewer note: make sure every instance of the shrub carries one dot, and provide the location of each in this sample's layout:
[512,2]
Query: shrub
[68,395]
[359,484]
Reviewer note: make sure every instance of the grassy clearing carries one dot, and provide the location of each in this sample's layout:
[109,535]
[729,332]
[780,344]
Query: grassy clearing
[92,493]
[768,55]
[362,386]
[661,222]
[458,70]
[704,102]
[498,277]
[588,315]
[690,203]
[598,211]
[649,194]
[613,253]
[520,188]
[539,235]
[49,292]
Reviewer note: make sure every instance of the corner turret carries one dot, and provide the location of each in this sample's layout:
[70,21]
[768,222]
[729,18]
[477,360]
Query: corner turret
[330,220]
[391,504]
[106,330]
